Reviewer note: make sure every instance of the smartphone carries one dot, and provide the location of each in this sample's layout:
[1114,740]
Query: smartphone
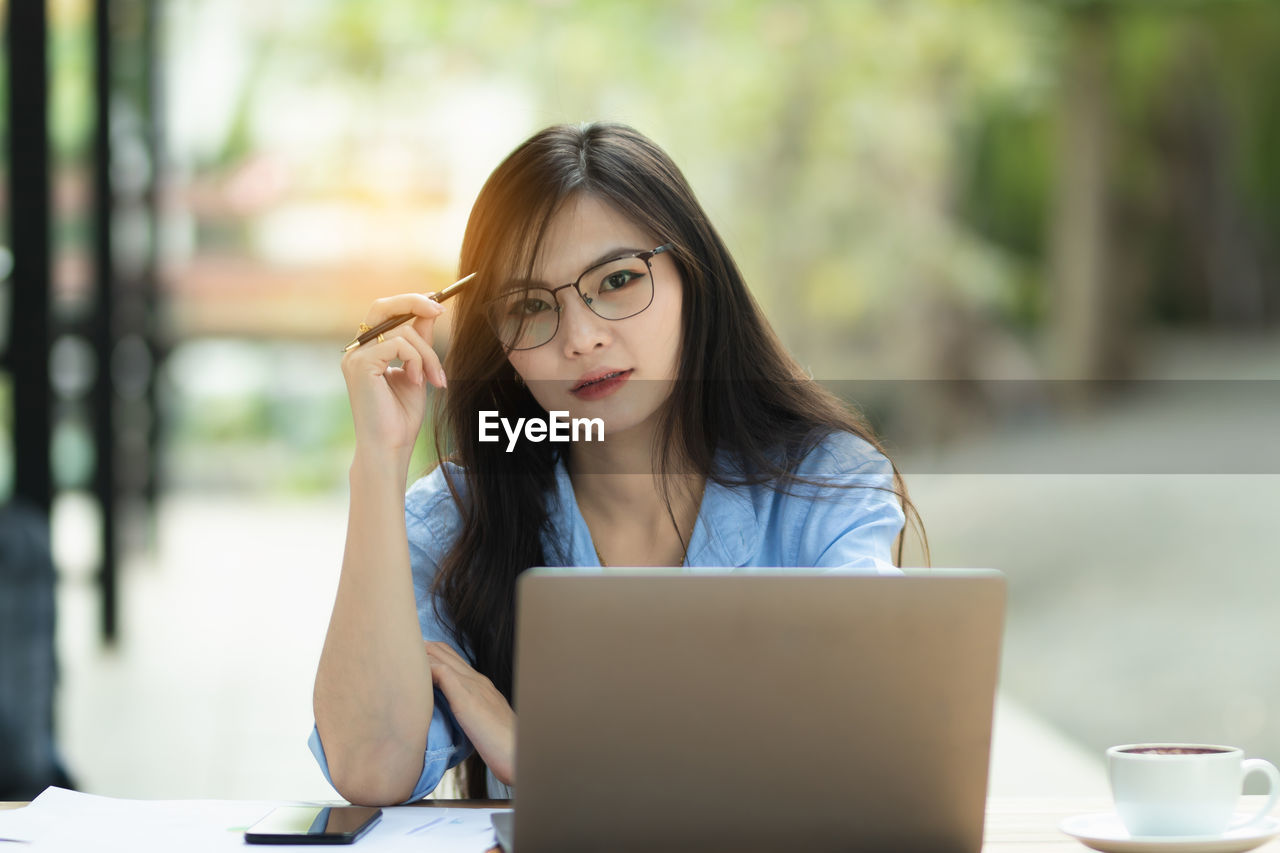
[313,825]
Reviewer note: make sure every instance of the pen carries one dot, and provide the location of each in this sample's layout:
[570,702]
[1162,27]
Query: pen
[391,322]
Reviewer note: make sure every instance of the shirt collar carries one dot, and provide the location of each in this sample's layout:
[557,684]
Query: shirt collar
[727,532]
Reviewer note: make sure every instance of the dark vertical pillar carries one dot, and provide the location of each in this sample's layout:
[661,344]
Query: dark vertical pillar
[102,332]
[155,117]
[29,207]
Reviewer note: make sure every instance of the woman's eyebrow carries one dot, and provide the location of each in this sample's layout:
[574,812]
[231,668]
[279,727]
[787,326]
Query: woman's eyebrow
[515,285]
[518,284]
[611,254]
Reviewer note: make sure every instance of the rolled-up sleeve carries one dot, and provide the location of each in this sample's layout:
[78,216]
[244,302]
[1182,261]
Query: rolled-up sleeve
[431,521]
[447,747]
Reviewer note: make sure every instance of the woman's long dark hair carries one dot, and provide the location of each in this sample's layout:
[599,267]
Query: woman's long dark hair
[738,390]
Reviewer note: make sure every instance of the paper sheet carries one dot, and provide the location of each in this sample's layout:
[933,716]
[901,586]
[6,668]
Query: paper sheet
[61,821]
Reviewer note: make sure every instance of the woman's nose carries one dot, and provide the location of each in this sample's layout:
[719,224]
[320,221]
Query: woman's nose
[582,329]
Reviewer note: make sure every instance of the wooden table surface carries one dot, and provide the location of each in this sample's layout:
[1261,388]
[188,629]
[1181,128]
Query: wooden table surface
[1013,825]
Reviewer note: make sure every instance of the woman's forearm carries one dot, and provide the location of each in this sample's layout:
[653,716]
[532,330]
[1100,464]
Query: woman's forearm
[373,699]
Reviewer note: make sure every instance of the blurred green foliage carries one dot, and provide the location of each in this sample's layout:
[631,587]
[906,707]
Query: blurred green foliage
[1192,127]
[872,163]
[889,174]
[71,61]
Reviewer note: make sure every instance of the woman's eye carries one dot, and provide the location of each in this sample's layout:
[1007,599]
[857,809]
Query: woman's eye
[529,307]
[619,279]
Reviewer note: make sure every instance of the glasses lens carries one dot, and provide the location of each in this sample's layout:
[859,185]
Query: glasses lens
[524,318]
[618,289]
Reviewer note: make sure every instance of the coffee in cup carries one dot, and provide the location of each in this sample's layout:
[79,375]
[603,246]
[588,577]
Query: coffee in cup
[1186,789]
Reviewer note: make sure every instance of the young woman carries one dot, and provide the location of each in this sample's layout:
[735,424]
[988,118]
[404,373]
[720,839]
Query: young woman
[601,290]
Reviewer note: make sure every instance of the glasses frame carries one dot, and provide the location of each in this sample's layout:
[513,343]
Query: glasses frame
[647,257]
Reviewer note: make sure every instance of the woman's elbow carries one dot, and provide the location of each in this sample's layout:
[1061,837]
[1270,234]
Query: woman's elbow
[370,782]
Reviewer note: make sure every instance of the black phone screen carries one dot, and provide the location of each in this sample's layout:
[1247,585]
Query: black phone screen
[313,825]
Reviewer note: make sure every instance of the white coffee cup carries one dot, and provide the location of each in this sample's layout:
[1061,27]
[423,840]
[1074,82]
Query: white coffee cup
[1184,789]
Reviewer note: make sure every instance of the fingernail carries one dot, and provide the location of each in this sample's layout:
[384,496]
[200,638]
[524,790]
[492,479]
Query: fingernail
[444,383]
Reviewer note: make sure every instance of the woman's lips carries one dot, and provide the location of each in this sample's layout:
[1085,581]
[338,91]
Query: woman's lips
[602,387]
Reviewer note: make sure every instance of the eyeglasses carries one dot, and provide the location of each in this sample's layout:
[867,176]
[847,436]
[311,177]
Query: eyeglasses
[528,316]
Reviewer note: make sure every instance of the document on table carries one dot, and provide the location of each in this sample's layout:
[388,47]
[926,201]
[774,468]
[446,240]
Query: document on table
[60,820]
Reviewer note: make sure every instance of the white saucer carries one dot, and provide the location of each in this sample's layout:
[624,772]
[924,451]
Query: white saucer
[1105,832]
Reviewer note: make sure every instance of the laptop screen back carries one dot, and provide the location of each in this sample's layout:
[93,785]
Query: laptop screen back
[754,711]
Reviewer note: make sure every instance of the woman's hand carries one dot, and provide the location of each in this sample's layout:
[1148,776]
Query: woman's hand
[478,706]
[388,403]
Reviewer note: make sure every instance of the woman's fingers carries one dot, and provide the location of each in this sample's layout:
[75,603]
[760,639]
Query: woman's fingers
[423,308]
[416,331]
[443,657]
[430,360]
[447,652]
[407,344]
[481,710]
[403,303]
[386,376]
[426,364]
[375,358]
[446,663]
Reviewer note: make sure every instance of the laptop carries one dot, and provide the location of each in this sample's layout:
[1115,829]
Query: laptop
[776,710]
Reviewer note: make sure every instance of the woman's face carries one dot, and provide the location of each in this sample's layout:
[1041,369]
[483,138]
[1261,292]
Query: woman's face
[638,354]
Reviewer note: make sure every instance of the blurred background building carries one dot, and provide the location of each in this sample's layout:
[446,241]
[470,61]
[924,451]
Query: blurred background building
[1035,242]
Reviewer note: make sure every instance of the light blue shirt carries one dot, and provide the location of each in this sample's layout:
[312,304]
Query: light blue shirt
[832,527]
